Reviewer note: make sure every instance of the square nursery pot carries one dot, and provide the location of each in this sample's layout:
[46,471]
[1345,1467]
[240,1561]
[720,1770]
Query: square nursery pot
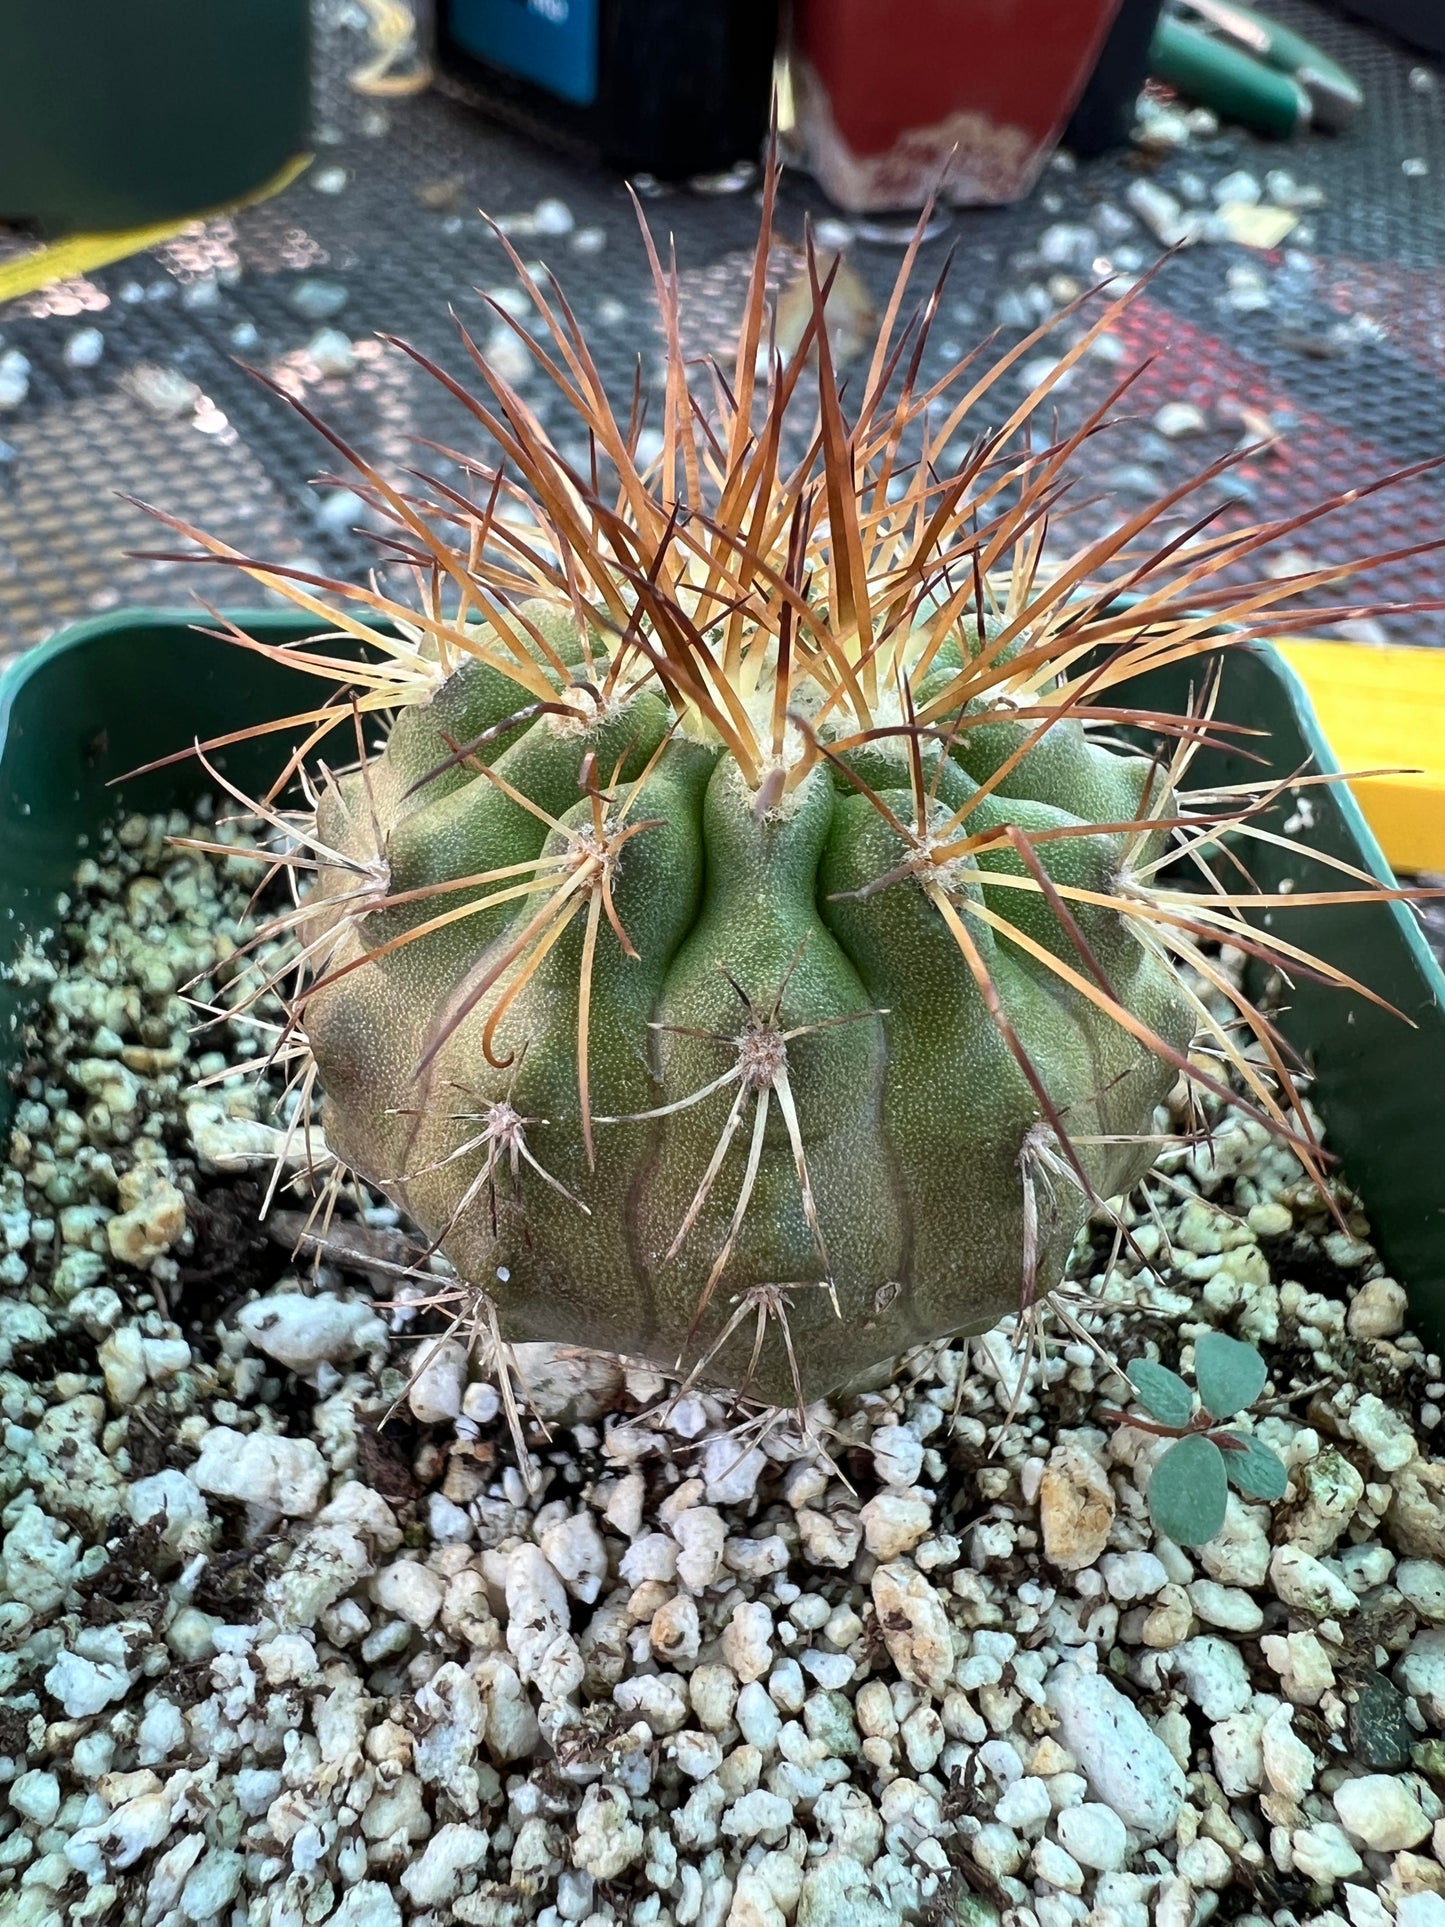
[115,693]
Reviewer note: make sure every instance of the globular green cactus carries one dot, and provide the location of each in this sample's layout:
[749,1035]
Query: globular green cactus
[744,952]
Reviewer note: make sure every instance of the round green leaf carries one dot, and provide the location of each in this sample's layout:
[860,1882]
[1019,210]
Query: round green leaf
[1229,1375]
[1162,1393]
[1257,1470]
[1188,1491]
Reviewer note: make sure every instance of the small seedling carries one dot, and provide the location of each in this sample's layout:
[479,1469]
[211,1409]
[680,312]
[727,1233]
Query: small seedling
[1190,1485]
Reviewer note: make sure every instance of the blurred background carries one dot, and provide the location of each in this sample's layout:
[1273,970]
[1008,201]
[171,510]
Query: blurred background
[1296,163]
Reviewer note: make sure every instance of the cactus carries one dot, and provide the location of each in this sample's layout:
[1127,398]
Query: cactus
[744,951]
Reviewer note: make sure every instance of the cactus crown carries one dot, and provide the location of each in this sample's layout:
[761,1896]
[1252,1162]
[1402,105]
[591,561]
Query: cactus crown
[744,950]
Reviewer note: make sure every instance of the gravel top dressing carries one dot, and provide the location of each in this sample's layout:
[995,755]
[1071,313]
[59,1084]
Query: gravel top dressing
[272,1657]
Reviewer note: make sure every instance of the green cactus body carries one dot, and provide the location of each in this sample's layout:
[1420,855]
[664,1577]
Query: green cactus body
[802,1095]
[746,951]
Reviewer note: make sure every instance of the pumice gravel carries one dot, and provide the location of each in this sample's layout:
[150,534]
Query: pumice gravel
[287,1637]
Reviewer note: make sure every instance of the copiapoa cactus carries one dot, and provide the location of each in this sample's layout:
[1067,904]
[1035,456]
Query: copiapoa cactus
[743,940]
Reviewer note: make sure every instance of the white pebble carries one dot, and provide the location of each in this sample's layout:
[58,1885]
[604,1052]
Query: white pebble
[897,1455]
[1382,1812]
[410,1591]
[84,348]
[1024,1805]
[330,352]
[1179,418]
[85,1686]
[731,1474]
[439,1387]
[263,1469]
[1127,1765]
[1094,1835]
[302,1332]
[36,1796]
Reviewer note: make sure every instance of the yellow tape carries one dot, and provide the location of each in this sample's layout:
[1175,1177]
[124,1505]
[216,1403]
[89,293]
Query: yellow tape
[80,253]
[1385,709]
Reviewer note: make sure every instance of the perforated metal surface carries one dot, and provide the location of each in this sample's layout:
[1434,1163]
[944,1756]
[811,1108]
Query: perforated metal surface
[1348,402]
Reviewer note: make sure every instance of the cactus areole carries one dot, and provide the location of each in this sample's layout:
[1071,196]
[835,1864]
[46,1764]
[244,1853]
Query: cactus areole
[745,949]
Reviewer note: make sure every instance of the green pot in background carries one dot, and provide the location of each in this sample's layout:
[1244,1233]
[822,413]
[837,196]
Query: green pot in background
[124,689]
[121,113]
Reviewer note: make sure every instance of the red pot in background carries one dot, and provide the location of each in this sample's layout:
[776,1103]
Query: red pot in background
[894,99]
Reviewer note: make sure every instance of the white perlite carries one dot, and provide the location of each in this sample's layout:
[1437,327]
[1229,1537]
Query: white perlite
[686,1674]
[261,1469]
[1128,1766]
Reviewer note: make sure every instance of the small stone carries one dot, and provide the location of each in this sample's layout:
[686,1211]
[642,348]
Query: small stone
[410,1591]
[1076,1507]
[1289,1764]
[14,379]
[1237,186]
[148,1228]
[566,1385]
[539,1625]
[1380,1730]
[747,1640]
[212,1884]
[1238,1555]
[84,348]
[1302,1581]
[1177,419]
[1024,1805]
[302,1332]
[1330,1490]
[895,1521]
[1422,1583]
[553,217]
[1214,1675]
[1203,1863]
[316,300]
[1416,1519]
[1424,1908]
[1385,1435]
[1094,1835]
[263,1469]
[1323,1852]
[1132,1575]
[85,1687]
[914,1625]
[1057,1868]
[36,1796]
[439,1382]
[165,391]
[577,1553]
[1381,1812]
[1303,1665]
[897,1455]
[758,1812]
[700,1535]
[730,1474]
[1378,1310]
[606,1840]
[451,1853]
[370,1903]
[1229,1607]
[330,353]
[829,1538]
[1128,1766]
[675,1633]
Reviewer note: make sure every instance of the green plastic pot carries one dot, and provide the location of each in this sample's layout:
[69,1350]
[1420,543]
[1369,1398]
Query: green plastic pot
[120,115]
[118,692]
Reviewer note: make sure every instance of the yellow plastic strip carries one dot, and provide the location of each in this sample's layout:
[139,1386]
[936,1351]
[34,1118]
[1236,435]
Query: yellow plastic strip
[1385,709]
[80,253]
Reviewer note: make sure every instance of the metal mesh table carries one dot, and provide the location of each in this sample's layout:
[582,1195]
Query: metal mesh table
[1347,359]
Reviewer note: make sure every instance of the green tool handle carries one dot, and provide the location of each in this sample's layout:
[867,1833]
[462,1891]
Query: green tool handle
[1235,84]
